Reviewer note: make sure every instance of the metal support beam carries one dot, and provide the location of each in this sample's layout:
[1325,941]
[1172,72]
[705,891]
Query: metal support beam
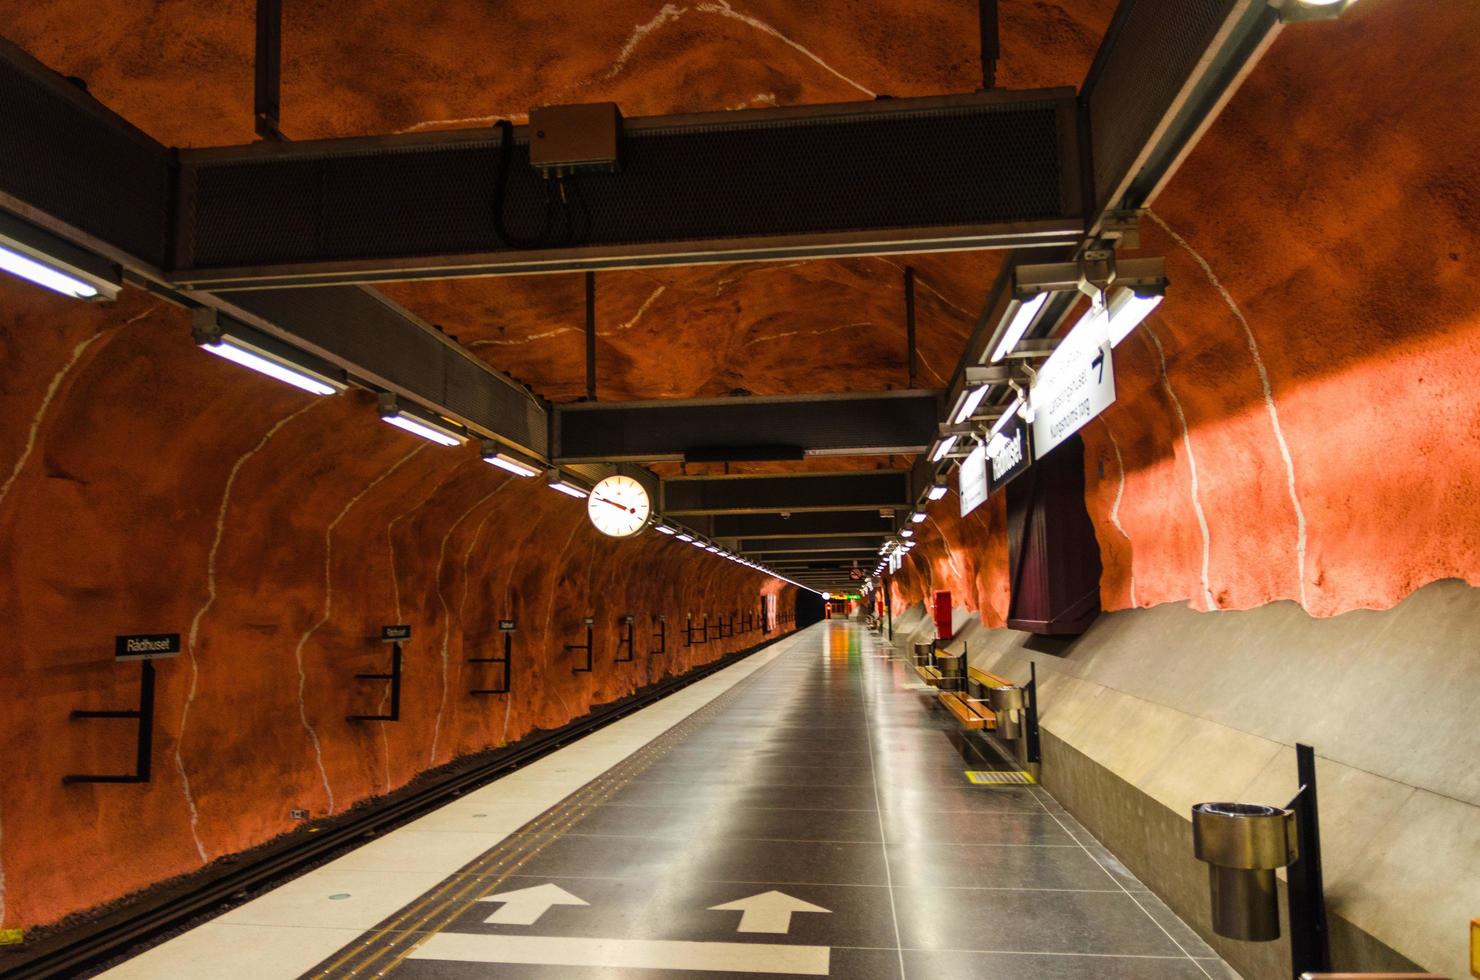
[382,345]
[590,336]
[268,69]
[982,170]
[911,351]
[812,524]
[991,44]
[866,490]
[751,428]
[780,546]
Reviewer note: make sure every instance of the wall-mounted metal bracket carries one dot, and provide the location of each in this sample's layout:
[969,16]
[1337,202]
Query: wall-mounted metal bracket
[395,680]
[1062,277]
[625,640]
[507,661]
[662,637]
[588,646]
[145,744]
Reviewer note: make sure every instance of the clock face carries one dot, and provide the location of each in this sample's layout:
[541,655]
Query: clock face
[619,506]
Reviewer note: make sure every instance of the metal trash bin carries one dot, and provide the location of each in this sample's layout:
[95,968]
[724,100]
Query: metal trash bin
[1008,704]
[1243,844]
[924,654]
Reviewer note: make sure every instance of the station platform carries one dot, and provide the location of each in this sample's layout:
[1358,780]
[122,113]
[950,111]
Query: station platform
[805,812]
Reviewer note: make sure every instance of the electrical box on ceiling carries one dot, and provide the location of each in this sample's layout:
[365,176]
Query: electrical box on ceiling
[574,139]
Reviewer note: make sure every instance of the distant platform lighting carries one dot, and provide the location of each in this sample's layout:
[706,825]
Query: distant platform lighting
[665,529]
[917,518]
[418,425]
[47,261]
[938,491]
[685,537]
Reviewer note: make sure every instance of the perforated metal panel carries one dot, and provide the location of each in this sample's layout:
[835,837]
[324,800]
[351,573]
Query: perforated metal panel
[1151,51]
[69,157]
[963,165]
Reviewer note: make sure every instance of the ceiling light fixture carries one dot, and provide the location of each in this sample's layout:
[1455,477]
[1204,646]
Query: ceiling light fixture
[557,482]
[1020,316]
[50,262]
[401,417]
[917,518]
[493,457]
[970,400]
[938,491]
[942,448]
[265,355]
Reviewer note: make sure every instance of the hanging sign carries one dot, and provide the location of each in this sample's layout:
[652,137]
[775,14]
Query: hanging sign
[1074,385]
[506,625]
[393,634]
[971,480]
[589,620]
[146,646]
[1008,454]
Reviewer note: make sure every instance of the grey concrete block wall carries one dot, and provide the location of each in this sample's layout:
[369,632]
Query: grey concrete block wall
[1153,710]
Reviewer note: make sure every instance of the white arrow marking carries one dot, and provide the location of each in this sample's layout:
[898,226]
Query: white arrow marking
[525,906]
[767,912]
[628,954]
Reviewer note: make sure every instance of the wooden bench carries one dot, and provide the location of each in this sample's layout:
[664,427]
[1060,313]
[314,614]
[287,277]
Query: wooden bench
[987,680]
[930,675]
[972,714]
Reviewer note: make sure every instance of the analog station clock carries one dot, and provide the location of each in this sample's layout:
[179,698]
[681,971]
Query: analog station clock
[619,506]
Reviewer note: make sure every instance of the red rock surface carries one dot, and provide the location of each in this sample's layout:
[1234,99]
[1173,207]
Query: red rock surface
[1320,340]
[144,485]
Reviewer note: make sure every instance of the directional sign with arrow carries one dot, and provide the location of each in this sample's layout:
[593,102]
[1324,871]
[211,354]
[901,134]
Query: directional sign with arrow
[525,906]
[767,912]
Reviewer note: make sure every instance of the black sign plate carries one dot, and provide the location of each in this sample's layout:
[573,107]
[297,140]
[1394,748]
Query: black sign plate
[1009,454]
[506,625]
[589,620]
[389,634]
[628,619]
[146,646]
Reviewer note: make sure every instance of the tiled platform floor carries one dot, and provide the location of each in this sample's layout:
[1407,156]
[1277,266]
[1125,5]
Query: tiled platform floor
[822,773]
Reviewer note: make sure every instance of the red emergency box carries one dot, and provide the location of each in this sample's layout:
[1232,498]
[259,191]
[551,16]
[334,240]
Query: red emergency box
[941,612]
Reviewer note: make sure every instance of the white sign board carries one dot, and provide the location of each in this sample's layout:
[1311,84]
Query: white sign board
[972,480]
[1074,385]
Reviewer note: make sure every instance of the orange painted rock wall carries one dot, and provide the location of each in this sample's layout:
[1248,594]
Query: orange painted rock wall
[1300,418]
[149,487]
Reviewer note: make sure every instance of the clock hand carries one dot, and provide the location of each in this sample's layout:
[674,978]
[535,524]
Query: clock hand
[616,505]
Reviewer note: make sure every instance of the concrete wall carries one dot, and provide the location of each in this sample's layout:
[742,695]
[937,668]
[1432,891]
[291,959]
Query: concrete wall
[1154,710]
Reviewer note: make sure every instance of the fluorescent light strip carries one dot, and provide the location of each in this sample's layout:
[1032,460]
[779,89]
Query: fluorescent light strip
[569,489]
[697,543]
[45,275]
[665,529]
[970,402]
[511,464]
[685,537]
[917,518]
[1127,311]
[1022,319]
[906,533]
[944,447]
[427,432]
[273,369]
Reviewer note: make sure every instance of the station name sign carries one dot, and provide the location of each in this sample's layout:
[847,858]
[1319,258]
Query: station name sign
[390,634]
[146,646]
[1074,385]
[1008,454]
[506,625]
